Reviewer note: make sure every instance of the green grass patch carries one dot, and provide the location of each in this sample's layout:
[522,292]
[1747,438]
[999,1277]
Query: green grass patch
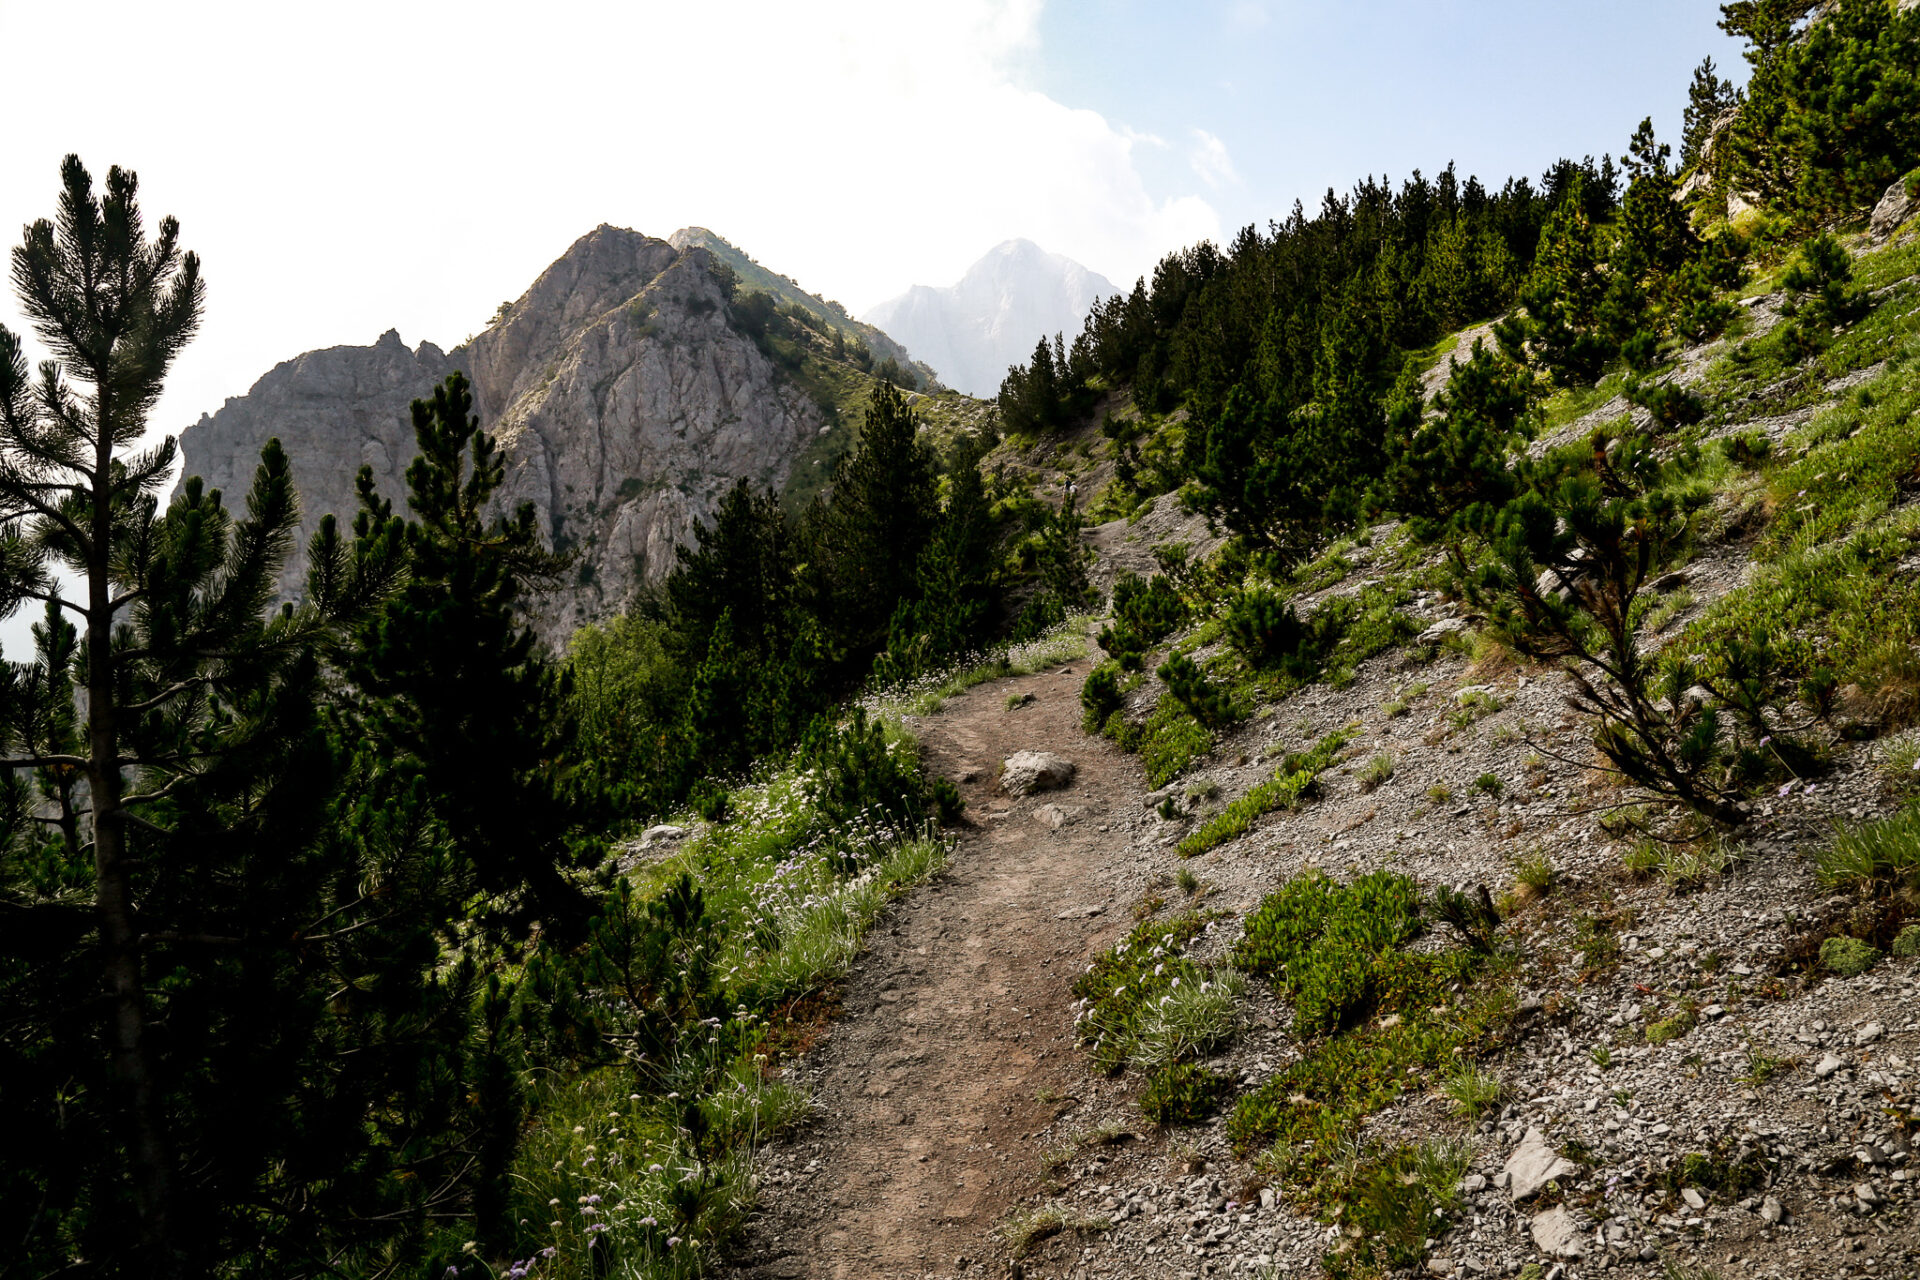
[1292,784]
[1128,979]
[1856,459]
[1064,642]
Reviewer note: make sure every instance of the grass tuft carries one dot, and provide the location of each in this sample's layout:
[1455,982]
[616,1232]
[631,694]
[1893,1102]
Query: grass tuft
[1288,788]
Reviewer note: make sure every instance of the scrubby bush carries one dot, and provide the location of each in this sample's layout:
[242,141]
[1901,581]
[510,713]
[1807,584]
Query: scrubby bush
[1820,283]
[856,768]
[1671,404]
[1148,606]
[1264,628]
[1145,611]
[1190,687]
[1568,560]
[1848,957]
[1100,696]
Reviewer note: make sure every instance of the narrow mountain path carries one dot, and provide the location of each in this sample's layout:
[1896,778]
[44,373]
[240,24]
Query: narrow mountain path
[955,1045]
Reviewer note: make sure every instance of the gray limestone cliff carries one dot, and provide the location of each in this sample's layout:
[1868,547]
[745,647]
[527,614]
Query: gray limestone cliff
[624,400]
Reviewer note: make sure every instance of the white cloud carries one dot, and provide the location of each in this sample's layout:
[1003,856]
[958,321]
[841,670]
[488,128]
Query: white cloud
[347,167]
[1211,161]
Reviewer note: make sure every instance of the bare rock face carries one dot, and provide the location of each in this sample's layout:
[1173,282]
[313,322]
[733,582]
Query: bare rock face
[334,410]
[1895,207]
[624,401]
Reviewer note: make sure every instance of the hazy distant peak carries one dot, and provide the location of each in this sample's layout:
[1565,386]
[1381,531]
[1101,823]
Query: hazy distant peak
[971,331]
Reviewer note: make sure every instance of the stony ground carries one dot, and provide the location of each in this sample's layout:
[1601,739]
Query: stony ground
[952,1098]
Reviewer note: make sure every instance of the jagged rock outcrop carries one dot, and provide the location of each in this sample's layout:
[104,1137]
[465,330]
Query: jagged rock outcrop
[333,410]
[1895,207]
[622,396]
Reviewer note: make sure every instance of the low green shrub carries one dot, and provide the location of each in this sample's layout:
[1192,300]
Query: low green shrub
[1727,1176]
[1848,957]
[1168,742]
[1183,1093]
[1906,945]
[1330,947]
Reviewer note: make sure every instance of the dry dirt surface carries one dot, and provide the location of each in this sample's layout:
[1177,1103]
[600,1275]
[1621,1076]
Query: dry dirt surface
[951,1053]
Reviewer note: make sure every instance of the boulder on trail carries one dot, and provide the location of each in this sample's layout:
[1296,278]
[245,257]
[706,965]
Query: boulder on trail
[1026,772]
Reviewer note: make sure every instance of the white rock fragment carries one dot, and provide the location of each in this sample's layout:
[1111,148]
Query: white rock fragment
[1533,1165]
[1557,1234]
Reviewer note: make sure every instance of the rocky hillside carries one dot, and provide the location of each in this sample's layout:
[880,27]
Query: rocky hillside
[1222,1013]
[624,388]
[972,331]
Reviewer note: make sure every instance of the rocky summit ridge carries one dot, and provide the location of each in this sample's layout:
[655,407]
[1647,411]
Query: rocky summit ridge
[623,396]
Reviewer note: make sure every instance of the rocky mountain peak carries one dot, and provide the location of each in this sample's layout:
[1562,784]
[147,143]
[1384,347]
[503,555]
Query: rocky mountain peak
[624,399]
[1011,297]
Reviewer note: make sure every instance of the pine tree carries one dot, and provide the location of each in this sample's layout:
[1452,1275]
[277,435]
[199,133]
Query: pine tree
[177,856]
[1709,99]
[880,516]
[742,563]
[1832,114]
[955,577]
[1450,473]
[1255,475]
[462,692]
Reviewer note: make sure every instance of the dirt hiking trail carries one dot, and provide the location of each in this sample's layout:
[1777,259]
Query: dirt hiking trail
[928,1085]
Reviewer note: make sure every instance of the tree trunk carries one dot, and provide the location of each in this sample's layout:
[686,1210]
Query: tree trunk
[113,895]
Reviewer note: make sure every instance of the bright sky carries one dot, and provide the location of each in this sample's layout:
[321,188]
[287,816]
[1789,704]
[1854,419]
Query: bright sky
[347,167]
